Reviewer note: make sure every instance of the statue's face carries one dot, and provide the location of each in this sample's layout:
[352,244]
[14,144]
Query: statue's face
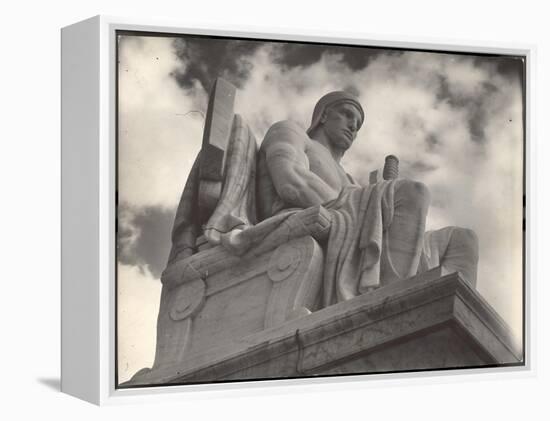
[341,123]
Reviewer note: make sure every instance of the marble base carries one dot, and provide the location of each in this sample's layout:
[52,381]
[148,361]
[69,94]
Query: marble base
[431,321]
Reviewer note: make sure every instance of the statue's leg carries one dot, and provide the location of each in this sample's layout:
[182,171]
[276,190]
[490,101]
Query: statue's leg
[456,249]
[406,232]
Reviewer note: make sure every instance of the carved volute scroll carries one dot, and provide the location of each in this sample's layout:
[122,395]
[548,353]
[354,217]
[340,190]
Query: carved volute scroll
[188,300]
[284,262]
[295,268]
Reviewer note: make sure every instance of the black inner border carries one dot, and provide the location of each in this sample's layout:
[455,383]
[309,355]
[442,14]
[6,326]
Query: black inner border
[523,76]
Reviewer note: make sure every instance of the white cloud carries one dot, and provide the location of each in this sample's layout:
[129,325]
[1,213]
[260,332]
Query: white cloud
[138,304]
[129,232]
[272,93]
[158,142]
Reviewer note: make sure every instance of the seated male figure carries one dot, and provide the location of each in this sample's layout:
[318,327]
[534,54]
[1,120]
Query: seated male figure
[377,231]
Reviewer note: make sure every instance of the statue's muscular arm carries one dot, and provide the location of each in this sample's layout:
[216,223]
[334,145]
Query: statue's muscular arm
[288,167]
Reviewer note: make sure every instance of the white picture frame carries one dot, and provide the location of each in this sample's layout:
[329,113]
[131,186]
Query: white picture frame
[88,210]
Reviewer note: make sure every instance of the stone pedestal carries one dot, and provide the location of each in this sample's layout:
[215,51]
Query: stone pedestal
[431,321]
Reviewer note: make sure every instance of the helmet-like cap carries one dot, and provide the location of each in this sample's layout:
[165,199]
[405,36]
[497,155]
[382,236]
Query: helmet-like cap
[329,100]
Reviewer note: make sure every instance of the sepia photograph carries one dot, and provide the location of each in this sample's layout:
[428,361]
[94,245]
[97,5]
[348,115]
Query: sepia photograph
[291,209]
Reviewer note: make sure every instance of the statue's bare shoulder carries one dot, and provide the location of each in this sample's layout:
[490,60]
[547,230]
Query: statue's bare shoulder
[284,152]
[286,139]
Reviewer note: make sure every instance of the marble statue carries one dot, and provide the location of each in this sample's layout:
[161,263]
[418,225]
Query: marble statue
[295,185]
[283,265]
[377,230]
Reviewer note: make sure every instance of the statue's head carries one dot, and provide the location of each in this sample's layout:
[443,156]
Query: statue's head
[338,116]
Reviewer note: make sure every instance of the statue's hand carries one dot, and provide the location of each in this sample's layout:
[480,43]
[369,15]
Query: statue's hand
[213,236]
[234,241]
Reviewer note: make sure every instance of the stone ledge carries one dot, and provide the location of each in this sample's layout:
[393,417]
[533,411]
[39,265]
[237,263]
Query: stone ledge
[430,321]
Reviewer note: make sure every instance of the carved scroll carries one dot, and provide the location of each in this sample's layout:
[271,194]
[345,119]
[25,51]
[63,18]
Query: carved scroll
[295,269]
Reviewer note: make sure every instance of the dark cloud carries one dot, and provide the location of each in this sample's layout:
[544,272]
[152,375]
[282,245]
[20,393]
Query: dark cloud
[432,142]
[298,54]
[477,119]
[208,58]
[508,66]
[511,68]
[144,237]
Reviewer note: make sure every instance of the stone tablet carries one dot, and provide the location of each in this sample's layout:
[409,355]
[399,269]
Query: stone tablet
[217,130]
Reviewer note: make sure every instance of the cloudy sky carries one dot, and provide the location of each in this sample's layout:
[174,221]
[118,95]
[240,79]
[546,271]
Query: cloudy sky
[454,121]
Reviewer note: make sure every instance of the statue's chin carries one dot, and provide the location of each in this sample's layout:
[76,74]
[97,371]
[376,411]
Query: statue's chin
[343,143]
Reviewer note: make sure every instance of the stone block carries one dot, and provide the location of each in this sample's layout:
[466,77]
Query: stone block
[431,321]
[202,311]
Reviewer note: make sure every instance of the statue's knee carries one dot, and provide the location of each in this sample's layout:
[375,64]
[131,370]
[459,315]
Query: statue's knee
[414,193]
[467,239]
